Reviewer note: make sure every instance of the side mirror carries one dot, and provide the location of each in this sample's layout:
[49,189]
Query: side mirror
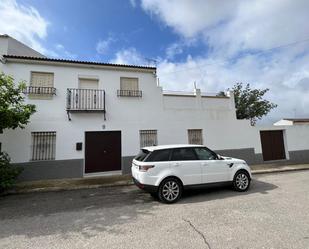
[219,157]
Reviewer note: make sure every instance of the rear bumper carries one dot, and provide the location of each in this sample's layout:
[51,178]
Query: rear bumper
[145,187]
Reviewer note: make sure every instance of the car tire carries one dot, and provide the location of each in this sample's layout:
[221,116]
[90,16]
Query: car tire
[241,181]
[154,195]
[170,190]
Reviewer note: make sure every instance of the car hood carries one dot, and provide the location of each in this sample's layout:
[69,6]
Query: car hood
[233,159]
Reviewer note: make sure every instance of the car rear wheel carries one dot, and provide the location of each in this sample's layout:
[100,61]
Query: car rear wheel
[170,190]
[241,181]
[154,195]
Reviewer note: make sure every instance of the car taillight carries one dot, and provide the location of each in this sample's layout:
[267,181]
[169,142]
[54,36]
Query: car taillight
[145,168]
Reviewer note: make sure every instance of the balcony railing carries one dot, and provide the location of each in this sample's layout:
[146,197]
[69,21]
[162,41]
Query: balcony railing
[40,90]
[85,100]
[129,93]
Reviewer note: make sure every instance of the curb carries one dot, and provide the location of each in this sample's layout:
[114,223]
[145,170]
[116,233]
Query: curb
[269,171]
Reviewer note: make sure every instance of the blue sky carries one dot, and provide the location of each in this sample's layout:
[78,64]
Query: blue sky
[213,43]
[79,27]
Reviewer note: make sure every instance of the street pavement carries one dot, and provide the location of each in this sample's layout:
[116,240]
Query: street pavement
[274,213]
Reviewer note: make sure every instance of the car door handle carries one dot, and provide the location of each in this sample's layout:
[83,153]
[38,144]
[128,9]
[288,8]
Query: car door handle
[176,164]
[204,164]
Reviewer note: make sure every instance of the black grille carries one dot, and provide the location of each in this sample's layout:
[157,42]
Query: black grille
[148,138]
[85,100]
[40,90]
[43,145]
[129,93]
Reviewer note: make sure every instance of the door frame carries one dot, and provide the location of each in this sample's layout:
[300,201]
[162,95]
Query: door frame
[103,173]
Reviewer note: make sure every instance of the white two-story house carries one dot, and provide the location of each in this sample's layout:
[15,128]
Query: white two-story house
[92,118]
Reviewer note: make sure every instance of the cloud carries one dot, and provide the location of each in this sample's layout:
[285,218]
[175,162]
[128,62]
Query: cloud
[23,23]
[133,3]
[237,24]
[130,56]
[189,18]
[103,45]
[63,53]
[173,50]
[259,42]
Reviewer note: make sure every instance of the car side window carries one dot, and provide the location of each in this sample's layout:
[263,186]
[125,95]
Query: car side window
[205,154]
[183,154]
[159,156]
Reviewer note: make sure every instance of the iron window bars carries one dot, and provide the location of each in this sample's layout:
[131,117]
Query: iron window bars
[43,145]
[40,90]
[148,138]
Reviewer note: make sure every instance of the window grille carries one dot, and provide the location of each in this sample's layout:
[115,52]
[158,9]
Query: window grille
[195,136]
[148,138]
[43,145]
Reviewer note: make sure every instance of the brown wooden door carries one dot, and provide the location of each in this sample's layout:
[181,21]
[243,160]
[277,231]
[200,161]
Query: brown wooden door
[102,151]
[272,145]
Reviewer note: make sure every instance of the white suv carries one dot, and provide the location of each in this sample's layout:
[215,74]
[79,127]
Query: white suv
[164,171]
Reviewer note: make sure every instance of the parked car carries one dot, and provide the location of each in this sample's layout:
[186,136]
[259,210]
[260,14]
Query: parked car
[165,171]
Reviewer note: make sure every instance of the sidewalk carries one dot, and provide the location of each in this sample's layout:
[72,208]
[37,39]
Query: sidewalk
[123,180]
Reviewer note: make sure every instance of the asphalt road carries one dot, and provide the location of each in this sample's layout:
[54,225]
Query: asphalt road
[274,213]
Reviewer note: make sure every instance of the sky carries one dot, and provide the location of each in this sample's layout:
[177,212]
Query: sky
[213,43]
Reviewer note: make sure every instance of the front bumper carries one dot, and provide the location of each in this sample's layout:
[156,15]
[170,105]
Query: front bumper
[145,187]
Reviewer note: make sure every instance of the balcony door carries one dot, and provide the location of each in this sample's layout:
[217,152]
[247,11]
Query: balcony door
[88,83]
[88,95]
[102,151]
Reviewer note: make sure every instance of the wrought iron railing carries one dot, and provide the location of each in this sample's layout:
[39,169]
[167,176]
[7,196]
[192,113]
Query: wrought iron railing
[40,90]
[85,100]
[129,93]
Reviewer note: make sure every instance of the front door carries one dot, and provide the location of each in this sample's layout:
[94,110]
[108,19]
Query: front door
[213,170]
[272,145]
[102,151]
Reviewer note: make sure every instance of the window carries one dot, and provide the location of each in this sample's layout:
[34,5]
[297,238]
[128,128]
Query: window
[41,84]
[148,138]
[159,156]
[205,154]
[195,136]
[129,87]
[43,145]
[142,155]
[183,154]
[128,83]
[88,83]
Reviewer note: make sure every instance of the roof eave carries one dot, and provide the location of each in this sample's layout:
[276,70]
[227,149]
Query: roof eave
[60,62]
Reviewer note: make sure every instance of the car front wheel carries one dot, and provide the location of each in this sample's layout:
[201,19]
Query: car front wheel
[170,190]
[241,181]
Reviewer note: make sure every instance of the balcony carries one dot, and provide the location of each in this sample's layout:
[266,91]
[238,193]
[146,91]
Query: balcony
[85,100]
[129,93]
[40,90]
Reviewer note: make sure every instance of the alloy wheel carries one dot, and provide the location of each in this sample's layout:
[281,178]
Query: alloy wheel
[170,190]
[242,181]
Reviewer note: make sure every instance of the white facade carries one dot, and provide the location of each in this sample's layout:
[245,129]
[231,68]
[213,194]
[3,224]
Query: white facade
[171,114]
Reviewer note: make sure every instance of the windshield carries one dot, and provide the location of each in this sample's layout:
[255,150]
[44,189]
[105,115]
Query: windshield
[142,155]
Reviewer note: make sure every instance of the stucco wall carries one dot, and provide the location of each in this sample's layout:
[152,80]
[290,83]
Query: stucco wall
[171,116]
[215,116]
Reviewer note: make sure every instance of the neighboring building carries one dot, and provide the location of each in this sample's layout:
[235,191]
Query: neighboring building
[92,119]
[8,45]
[292,121]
